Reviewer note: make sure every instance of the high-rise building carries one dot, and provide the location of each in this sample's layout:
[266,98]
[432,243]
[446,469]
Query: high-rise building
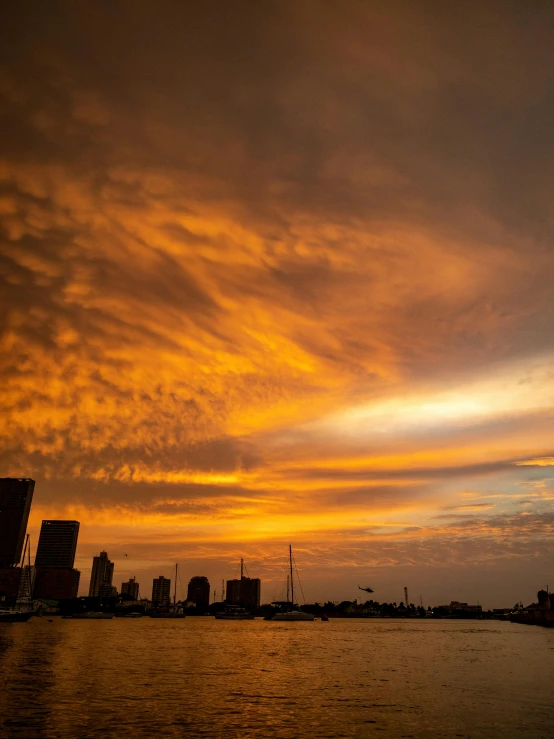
[101,577]
[10,582]
[232,592]
[161,589]
[55,577]
[16,494]
[57,544]
[130,588]
[56,583]
[251,592]
[244,592]
[199,591]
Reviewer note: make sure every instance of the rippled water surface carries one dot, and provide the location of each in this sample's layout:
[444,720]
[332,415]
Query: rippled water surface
[201,677]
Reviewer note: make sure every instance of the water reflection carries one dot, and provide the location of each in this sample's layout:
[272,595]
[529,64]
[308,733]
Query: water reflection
[200,677]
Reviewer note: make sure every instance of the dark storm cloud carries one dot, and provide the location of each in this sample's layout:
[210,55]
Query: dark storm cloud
[457,107]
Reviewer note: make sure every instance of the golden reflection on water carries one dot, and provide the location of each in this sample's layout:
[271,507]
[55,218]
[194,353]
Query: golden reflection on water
[200,677]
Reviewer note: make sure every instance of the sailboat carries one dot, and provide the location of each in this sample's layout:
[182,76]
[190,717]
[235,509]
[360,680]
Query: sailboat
[25,610]
[291,614]
[234,613]
[10,615]
[170,612]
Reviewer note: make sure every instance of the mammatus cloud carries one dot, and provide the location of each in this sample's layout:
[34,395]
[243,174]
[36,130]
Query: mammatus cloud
[282,274]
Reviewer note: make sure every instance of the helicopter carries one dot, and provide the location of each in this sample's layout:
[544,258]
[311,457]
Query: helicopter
[367,590]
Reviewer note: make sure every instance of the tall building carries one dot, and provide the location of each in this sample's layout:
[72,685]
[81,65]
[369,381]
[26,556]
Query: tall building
[55,577]
[199,591]
[244,592]
[10,583]
[130,588]
[232,592]
[57,544]
[56,583]
[101,577]
[16,494]
[161,591]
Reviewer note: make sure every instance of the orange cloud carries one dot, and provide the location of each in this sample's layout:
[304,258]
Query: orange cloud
[278,295]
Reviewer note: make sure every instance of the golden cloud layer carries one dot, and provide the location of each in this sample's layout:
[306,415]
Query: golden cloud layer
[286,290]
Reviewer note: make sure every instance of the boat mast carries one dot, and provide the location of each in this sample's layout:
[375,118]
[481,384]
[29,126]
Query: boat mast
[291,576]
[25,551]
[175,587]
[29,570]
[241,568]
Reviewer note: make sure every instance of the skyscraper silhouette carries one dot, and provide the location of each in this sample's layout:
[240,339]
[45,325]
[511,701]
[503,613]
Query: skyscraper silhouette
[161,588]
[244,592]
[130,588]
[16,495]
[101,577]
[199,591]
[55,577]
[57,544]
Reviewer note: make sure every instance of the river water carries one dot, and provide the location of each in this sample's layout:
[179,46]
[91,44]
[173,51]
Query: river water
[197,677]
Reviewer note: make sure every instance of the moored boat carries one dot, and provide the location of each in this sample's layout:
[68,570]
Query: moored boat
[293,616]
[14,616]
[234,613]
[292,613]
[99,615]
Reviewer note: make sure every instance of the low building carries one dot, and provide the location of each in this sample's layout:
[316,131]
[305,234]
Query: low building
[456,605]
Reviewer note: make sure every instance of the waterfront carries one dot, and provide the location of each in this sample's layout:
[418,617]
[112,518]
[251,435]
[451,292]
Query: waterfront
[201,677]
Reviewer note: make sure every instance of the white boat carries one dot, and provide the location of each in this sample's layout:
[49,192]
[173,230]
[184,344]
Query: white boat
[14,616]
[234,613]
[293,616]
[292,613]
[133,614]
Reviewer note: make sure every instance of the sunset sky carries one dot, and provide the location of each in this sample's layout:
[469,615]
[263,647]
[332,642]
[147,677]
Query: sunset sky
[283,272]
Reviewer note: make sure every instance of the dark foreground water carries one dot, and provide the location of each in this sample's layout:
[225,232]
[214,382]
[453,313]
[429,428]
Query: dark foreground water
[205,678]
